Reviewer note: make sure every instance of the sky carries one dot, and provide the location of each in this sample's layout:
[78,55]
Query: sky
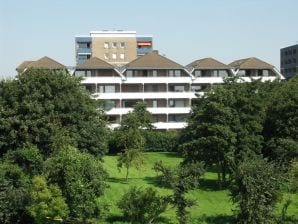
[182,30]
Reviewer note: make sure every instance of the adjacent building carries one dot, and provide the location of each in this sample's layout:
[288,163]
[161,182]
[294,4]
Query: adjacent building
[115,47]
[166,86]
[289,61]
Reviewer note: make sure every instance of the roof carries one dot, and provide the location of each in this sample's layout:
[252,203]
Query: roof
[208,63]
[95,63]
[23,65]
[251,63]
[44,62]
[153,60]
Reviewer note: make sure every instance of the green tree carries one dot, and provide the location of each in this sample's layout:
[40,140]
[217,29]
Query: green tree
[143,206]
[256,190]
[13,194]
[81,178]
[40,105]
[130,137]
[46,204]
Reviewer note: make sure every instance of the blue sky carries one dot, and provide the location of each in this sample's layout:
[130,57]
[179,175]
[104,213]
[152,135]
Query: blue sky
[182,30]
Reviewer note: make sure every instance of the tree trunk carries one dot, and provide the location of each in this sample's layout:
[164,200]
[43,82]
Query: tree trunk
[126,178]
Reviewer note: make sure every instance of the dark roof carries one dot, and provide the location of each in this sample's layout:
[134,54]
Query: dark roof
[95,63]
[208,63]
[251,63]
[153,60]
[44,62]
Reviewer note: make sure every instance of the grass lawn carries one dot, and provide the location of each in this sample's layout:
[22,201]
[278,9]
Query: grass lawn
[213,205]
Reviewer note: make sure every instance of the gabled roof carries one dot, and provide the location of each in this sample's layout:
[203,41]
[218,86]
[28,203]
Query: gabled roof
[251,63]
[44,62]
[208,63]
[95,63]
[23,65]
[153,60]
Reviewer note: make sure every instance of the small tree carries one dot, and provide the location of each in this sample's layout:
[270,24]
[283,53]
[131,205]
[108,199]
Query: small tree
[46,202]
[143,206]
[255,189]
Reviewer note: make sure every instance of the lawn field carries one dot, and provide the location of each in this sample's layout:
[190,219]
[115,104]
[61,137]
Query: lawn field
[213,205]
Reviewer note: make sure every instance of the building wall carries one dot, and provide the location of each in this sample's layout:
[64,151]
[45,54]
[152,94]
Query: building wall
[289,61]
[129,50]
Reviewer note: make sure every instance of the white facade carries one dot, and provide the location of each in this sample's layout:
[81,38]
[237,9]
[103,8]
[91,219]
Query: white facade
[168,92]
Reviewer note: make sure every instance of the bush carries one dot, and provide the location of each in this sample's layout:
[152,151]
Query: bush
[158,141]
[165,175]
[142,206]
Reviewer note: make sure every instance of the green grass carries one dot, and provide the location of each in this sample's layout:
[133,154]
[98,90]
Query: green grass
[213,205]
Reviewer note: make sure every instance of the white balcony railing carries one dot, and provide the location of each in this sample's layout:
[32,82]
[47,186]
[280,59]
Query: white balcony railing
[153,110]
[161,125]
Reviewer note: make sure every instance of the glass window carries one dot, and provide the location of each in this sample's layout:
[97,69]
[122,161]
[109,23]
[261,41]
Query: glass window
[80,73]
[106,45]
[109,104]
[196,88]
[106,56]
[114,56]
[154,103]
[198,73]
[265,73]
[154,73]
[177,73]
[110,89]
[122,56]
[114,45]
[241,73]
[171,73]
[129,73]
[122,44]
[171,103]
[223,73]
[179,88]
[82,45]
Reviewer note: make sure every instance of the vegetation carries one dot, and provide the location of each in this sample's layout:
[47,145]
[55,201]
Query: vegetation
[53,167]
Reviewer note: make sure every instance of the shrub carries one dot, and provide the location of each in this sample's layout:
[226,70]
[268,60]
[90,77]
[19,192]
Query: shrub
[158,141]
[142,206]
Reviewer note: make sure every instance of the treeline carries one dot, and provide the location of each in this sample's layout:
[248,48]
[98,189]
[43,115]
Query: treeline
[53,137]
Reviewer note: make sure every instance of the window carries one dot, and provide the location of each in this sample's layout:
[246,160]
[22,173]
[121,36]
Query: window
[196,88]
[122,56]
[114,56]
[178,88]
[265,73]
[223,73]
[114,45]
[177,73]
[176,103]
[154,73]
[198,73]
[106,45]
[241,73]
[80,73]
[294,51]
[171,73]
[122,44]
[82,45]
[129,73]
[106,56]
[110,89]
[109,104]
[177,117]
[154,103]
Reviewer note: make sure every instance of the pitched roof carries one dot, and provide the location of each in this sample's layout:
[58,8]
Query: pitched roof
[44,62]
[95,63]
[208,63]
[251,63]
[154,60]
[23,65]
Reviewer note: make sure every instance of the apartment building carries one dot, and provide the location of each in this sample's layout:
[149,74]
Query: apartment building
[289,61]
[166,86]
[115,47]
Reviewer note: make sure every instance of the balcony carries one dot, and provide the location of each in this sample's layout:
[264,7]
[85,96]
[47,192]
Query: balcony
[84,51]
[153,110]
[159,80]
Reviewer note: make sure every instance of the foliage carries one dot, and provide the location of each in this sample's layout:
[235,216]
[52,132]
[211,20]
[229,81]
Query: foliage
[81,178]
[142,206]
[131,157]
[46,203]
[256,189]
[13,193]
[165,174]
[29,159]
[161,141]
[41,104]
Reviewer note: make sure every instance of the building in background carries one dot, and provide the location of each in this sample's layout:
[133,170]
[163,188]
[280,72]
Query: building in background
[115,47]
[289,61]
[166,86]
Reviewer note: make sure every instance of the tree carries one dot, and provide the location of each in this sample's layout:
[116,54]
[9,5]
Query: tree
[131,138]
[46,203]
[81,178]
[143,206]
[256,189]
[13,194]
[40,105]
